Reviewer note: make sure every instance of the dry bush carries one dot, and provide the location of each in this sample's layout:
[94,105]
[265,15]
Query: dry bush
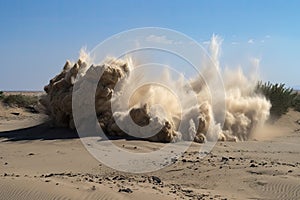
[19,100]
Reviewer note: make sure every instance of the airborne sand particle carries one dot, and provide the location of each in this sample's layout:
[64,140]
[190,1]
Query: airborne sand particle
[153,111]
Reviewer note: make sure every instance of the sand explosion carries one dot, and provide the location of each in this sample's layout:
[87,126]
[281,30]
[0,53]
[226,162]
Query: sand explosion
[153,111]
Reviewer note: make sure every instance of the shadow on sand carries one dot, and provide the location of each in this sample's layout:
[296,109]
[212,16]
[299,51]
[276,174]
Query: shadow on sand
[45,132]
[39,132]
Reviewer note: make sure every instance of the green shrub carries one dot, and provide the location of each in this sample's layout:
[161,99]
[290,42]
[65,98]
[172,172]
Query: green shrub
[296,103]
[281,98]
[1,95]
[20,100]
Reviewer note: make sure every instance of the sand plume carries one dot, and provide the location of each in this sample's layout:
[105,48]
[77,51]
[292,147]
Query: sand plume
[153,111]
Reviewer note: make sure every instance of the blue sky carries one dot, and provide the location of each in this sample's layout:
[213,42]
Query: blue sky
[38,36]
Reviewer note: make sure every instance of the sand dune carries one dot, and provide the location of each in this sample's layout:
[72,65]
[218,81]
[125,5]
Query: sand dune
[40,162]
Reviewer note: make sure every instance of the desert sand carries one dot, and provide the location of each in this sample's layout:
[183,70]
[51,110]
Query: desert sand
[38,161]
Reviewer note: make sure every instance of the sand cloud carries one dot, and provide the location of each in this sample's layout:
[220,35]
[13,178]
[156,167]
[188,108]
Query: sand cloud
[152,108]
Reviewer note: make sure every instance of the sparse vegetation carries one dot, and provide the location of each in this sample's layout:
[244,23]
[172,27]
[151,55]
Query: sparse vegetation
[281,97]
[1,95]
[296,103]
[19,100]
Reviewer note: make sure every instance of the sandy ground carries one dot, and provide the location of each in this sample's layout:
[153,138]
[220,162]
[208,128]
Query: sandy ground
[40,162]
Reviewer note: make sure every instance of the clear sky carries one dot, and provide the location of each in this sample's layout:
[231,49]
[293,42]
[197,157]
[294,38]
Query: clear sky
[38,36]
